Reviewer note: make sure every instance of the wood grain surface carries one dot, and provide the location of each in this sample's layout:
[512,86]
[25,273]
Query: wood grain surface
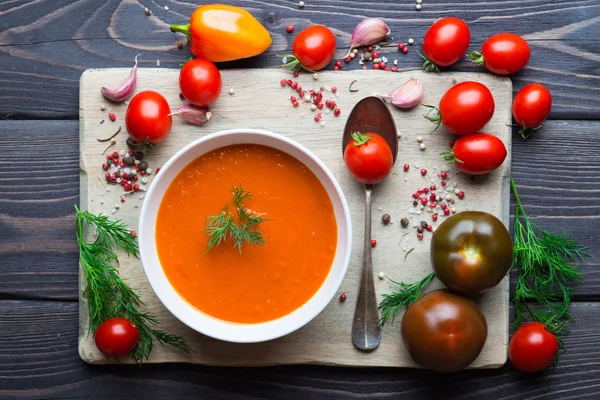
[39,356]
[326,339]
[45,45]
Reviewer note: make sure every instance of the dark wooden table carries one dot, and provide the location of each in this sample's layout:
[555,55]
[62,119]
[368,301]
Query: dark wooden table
[45,45]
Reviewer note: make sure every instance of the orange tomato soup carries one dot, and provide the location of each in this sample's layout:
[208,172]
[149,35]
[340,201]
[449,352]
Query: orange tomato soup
[264,282]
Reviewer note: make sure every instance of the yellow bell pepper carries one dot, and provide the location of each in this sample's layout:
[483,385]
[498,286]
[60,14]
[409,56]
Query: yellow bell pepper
[218,32]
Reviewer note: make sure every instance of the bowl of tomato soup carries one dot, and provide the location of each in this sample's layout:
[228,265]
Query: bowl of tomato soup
[245,235]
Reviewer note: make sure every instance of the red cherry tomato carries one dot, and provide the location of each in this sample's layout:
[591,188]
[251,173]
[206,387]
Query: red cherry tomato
[313,48]
[445,42]
[116,337]
[531,107]
[148,118]
[200,82]
[477,154]
[368,157]
[532,348]
[503,54]
[465,108]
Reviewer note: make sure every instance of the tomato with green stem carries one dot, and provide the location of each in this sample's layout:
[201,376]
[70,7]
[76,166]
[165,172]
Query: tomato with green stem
[312,50]
[476,154]
[502,54]
[471,252]
[445,43]
[531,107]
[533,348]
[465,108]
[116,337]
[368,157]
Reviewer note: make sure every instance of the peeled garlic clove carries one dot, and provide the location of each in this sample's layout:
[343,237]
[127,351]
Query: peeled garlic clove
[406,96]
[192,114]
[123,90]
[369,31]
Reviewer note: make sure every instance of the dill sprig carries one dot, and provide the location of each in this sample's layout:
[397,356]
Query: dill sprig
[107,294]
[408,293]
[546,271]
[221,227]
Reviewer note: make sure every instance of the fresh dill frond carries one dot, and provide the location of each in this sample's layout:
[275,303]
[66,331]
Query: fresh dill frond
[407,293]
[222,227]
[546,271]
[107,294]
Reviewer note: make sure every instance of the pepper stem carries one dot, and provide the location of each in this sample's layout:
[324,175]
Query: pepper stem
[185,29]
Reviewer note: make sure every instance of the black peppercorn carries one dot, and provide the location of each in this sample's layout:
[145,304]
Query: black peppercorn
[420,229]
[386,218]
[129,160]
[424,224]
[143,165]
[404,222]
[138,155]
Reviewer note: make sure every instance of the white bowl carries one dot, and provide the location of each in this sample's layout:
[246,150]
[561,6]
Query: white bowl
[203,323]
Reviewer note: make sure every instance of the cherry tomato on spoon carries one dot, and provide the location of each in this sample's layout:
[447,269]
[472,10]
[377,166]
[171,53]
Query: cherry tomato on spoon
[200,82]
[531,107]
[148,118]
[532,347]
[445,43]
[465,108]
[116,337]
[313,49]
[368,157]
[476,154]
[503,54]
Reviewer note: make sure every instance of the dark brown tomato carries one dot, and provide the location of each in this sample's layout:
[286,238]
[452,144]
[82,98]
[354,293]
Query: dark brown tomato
[443,331]
[471,252]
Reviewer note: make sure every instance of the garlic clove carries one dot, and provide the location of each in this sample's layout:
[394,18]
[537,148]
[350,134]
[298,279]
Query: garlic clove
[192,114]
[124,89]
[369,31]
[408,95]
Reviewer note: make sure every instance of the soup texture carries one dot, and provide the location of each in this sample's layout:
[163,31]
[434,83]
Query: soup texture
[262,283]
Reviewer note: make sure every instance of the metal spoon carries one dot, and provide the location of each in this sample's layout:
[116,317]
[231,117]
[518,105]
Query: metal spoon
[370,114]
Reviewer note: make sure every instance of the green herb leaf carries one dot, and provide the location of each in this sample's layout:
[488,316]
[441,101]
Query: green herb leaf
[107,294]
[407,294]
[221,227]
[546,271]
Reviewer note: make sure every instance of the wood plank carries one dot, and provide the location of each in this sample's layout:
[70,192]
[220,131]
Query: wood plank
[560,196]
[327,338]
[39,360]
[45,45]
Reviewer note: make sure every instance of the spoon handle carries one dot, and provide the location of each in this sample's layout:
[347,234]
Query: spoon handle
[366,332]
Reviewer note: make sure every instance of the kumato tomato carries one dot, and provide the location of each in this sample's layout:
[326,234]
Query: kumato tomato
[471,252]
[443,331]
[368,157]
[532,348]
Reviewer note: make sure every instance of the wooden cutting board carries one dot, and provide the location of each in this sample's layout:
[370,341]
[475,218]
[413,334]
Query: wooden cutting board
[260,102]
